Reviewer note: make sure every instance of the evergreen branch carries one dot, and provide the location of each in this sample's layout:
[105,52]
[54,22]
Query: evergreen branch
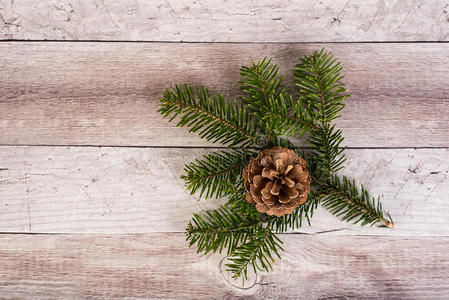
[318,80]
[265,97]
[319,83]
[216,118]
[287,117]
[260,82]
[237,201]
[295,219]
[327,151]
[279,141]
[259,251]
[216,172]
[343,199]
[220,228]
[267,107]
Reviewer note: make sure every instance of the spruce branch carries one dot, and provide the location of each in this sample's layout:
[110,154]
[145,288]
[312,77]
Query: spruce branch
[215,117]
[343,199]
[259,251]
[216,173]
[219,229]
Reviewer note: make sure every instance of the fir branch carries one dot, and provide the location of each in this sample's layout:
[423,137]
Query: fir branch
[219,229]
[267,107]
[295,219]
[260,82]
[327,151]
[216,118]
[259,251]
[343,199]
[318,81]
[237,201]
[267,100]
[279,141]
[216,172]
[287,117]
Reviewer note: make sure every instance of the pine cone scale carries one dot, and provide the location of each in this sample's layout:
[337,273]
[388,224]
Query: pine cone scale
[276,188]
[290,183]
[259,181]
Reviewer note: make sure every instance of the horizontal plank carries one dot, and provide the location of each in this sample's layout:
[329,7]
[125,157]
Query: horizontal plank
[161,266]
[139,190]
[106,93]
[225,21]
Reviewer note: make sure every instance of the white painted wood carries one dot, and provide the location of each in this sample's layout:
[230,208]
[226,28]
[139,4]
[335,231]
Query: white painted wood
[139,190]
[106,93]
[226,21]
[161,266]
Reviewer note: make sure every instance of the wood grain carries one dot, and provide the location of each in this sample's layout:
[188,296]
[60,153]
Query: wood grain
[138,190]
[106,93]
[161,266]
[225,21]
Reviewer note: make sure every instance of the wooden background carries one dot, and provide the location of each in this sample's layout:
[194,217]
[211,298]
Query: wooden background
[91,203]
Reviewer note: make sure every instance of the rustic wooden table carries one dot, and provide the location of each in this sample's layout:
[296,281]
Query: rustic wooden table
[91,203]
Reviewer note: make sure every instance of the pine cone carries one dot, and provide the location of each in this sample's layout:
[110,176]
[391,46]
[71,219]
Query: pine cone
[277,181]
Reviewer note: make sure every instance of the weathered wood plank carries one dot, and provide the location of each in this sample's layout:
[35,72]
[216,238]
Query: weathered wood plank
[225,21]
[138,190]
[161,266]
[106,93]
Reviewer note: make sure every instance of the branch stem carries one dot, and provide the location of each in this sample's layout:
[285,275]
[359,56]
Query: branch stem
[228,123]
